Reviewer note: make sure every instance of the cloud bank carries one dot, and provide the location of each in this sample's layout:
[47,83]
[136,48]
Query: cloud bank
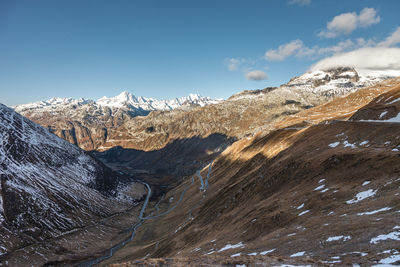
[364,59]
[256,75]
[346,23]
[391,40]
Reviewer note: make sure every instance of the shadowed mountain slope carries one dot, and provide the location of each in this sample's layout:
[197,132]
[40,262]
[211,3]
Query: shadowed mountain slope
[326,191]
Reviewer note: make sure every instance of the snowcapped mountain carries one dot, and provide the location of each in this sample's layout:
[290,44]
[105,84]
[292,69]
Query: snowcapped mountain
[125,100]
[47,185]
[337,81]
[326,83]
[87,123]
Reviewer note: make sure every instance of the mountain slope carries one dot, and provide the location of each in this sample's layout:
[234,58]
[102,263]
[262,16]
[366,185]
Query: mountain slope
[325,192]
[48,186]
[89,123]
[110,122]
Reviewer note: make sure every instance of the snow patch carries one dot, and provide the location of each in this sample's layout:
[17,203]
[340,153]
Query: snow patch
[339,237]
[229,246]
[298,254]
[303,212]
[267,252]
[392,236]
[361,196]
[373,212]
[335,144]
[319,187]
[383,114]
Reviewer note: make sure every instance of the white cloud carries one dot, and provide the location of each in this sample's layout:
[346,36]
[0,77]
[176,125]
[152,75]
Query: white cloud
[298,49]
[392,40]
[233,64]
[368,17]
[346,23]
[299,2]
[256,75]
[369,58]
[284,51]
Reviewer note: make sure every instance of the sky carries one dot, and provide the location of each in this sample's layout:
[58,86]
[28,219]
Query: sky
[166,49]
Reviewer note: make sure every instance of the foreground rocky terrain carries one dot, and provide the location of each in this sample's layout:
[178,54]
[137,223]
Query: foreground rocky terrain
[321,189]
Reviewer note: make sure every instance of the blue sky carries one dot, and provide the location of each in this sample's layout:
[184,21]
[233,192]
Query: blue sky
[167,49]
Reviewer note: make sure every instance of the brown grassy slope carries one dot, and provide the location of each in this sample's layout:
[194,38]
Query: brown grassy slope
[291,190]
[341,108]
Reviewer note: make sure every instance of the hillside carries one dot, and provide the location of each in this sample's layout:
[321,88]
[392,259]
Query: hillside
[49,187]
[324,191]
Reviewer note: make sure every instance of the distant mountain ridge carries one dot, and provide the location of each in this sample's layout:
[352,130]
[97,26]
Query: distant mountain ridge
[125,100]
[119,121]
[326,83]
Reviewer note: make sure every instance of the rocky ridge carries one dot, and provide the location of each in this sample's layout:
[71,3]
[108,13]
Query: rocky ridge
[100,126]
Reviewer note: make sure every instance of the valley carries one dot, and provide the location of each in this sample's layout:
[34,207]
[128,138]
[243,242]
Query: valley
[200,133]
[300,182]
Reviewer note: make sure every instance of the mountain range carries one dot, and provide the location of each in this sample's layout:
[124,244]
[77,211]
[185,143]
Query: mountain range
[304,174]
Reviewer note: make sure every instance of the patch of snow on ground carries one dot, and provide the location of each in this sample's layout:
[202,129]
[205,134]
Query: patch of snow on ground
[321,181]
[347,144]
[303,212]
[339,237]
[374,211]
[383,114]
[298,254]
[236,255]
[252,254]
[300,207]
[365,183]
[335,144]
[241,265]
[323,191]
[387,261]
[394,101]
[267,252]
[319,187]
[229,246]
[392,235]
[361,196]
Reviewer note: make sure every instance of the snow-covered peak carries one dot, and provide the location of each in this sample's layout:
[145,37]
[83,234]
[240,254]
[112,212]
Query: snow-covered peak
[124,100]
[336,81]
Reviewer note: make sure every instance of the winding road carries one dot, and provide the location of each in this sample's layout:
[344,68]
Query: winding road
[110,252]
